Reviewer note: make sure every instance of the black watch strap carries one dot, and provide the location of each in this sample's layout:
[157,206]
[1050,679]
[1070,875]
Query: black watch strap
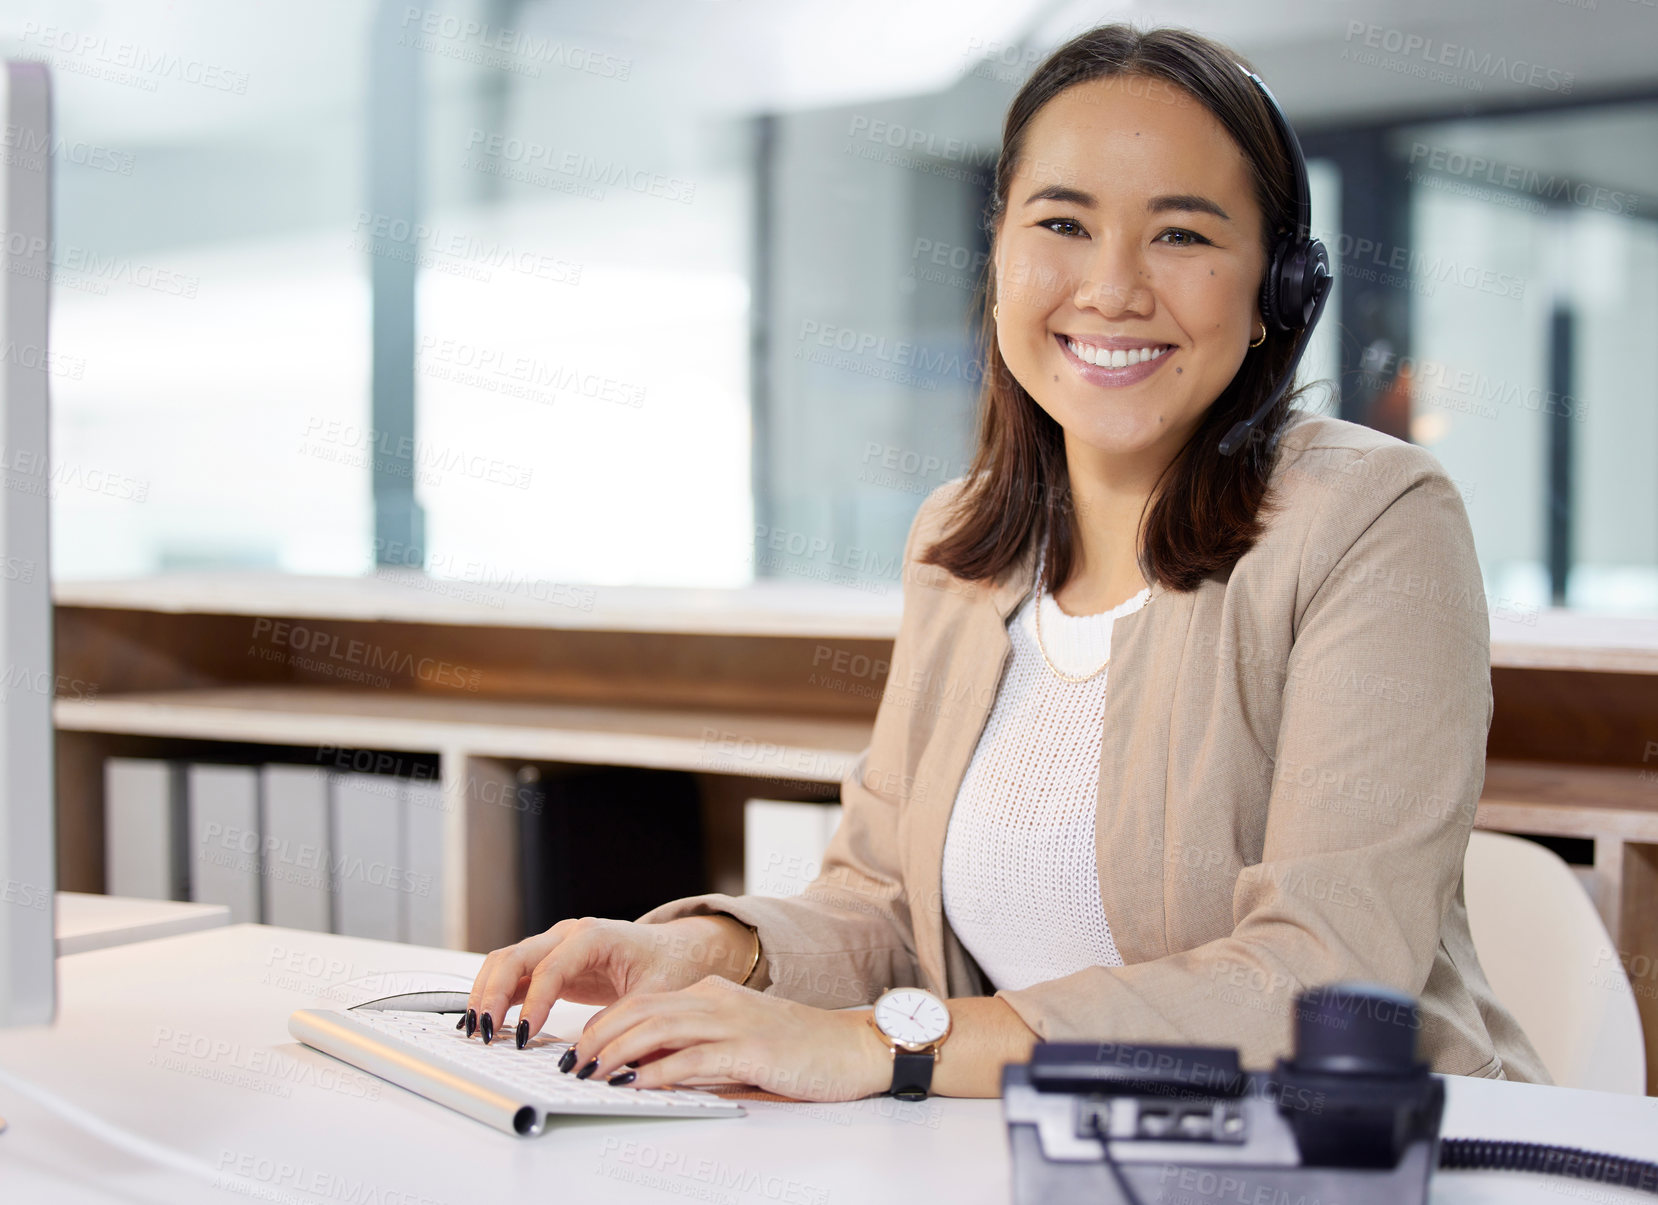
[912,1074]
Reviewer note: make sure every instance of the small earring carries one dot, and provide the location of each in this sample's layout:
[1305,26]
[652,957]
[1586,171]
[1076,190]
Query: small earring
[1263,337]
[996,311]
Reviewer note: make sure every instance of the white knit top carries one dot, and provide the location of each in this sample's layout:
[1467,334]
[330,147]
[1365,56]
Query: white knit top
[1020,880]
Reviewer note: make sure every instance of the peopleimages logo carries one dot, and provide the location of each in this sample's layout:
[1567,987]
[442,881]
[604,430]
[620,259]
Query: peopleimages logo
[1513,177]
[927,142]
[32,150]
[329,646]
[1363,256]
[98,269]
[414,240]
[128,62]
[423,26]
[874,354]
[1434,54]
[530,155]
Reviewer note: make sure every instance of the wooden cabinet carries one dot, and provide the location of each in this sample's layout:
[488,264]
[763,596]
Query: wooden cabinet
[769,690]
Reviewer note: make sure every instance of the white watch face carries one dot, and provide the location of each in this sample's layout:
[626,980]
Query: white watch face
[912,1017]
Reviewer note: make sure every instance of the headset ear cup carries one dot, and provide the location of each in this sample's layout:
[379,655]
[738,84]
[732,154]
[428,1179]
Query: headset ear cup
[1270,288]
[1291,285]
[1293,289]
[1317,265]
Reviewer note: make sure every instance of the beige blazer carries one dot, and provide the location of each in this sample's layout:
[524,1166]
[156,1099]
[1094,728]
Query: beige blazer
[1291,760]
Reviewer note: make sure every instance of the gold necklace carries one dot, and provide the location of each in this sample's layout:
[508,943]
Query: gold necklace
[1043,650]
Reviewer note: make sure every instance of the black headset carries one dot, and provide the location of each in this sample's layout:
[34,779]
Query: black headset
[1298,274]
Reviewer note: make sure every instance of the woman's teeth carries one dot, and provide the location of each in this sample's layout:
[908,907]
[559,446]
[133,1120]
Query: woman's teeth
[1113,359]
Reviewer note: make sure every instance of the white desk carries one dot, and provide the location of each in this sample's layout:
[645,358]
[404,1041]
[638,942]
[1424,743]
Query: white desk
[92,922]
[314,1130]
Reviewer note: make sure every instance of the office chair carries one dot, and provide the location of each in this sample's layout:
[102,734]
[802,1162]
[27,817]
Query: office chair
[1551,962]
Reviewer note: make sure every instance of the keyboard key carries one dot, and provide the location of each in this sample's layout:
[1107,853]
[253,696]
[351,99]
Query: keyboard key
[531,1074]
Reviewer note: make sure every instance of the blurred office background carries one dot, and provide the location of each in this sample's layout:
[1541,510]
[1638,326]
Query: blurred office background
[678,293]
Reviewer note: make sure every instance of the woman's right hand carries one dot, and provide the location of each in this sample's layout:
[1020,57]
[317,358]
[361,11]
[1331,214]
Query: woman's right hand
[589,960]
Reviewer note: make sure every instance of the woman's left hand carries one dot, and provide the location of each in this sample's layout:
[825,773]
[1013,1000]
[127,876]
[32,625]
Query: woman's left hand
[717,1032]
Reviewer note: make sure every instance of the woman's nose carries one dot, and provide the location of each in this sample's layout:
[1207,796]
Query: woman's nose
[1114,280]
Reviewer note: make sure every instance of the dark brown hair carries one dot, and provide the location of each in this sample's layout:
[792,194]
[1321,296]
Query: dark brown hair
[1018,490]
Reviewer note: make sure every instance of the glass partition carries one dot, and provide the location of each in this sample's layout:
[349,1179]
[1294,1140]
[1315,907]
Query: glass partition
[673,301]
[1532,369]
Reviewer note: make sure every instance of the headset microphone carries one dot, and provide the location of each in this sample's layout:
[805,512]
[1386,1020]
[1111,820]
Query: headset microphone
[1298,274]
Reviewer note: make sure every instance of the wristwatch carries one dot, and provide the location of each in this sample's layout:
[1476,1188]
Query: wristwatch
[914,1023]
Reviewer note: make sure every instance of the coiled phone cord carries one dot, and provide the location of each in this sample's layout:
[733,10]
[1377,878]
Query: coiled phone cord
[1485,1154]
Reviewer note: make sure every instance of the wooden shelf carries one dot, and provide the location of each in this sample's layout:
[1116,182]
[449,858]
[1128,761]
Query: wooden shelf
[1550,638]
[776,682]
[807,749]
[766,608]
[1548,798]
[1557,638]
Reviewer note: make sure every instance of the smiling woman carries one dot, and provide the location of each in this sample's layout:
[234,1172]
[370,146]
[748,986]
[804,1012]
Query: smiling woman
[1277,790]
[1125,288]
[1140,188]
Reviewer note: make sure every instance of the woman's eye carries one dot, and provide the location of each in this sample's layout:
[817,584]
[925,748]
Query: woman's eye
[1052,223]
[1186,238]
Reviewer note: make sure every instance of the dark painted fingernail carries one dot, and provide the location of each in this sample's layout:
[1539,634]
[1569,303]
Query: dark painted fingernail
[471,1021]
[461,1024]
[522,1033]
[588,1070]
[633,1064]
[624,1079]
[488,1026]
[567,1060]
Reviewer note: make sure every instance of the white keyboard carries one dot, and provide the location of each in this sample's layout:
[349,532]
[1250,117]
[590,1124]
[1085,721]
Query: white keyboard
[511,1089]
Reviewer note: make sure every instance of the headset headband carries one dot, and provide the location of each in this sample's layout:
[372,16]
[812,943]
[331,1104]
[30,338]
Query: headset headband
[1297,281]
[1298,162]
